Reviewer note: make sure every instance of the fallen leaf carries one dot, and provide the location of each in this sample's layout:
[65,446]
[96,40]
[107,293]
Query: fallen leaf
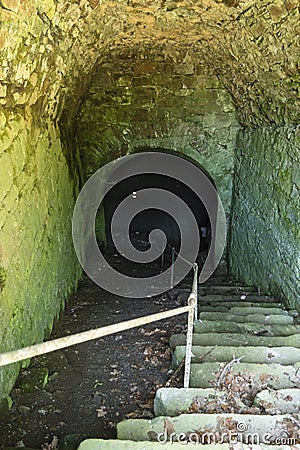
[148,350]
[169,427]
[266,377]
[101,412]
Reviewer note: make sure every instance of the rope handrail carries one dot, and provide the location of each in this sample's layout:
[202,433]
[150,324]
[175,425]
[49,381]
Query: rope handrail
[195,277]
[78,338]
[42,348]
[193,312]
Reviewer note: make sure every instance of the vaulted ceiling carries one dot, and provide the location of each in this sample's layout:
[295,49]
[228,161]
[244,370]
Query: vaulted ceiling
[49,49]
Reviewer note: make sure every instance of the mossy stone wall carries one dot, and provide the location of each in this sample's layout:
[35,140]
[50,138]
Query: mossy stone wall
[156,84]
[265,239]
[161,104]
[38,266]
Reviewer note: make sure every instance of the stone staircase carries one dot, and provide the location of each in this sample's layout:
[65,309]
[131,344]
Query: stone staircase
[244,384]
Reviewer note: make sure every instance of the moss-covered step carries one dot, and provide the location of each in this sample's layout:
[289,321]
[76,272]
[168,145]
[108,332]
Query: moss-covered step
[275,376]
[234,340]
[114,444]
[244,328]
[261,355]
[283,401]
[226,307]
[246,310]
[218,298]
[279,319]
[206,295]
[227,289]
[143,429]
[171,401]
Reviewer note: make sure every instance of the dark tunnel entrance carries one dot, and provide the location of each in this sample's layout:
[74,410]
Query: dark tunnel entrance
[149,219]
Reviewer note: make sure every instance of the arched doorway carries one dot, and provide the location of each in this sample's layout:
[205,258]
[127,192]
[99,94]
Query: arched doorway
[149,219]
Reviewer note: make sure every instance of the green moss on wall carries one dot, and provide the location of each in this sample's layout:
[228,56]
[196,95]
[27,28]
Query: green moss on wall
[265,241]
[3,275]
[167,107]
[38,266]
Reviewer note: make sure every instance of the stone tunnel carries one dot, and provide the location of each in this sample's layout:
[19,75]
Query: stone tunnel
[84,82]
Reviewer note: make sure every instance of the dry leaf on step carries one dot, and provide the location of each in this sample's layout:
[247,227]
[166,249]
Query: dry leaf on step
[169,427]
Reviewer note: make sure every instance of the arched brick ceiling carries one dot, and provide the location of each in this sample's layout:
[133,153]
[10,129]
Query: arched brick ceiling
[49,48]
[253,47]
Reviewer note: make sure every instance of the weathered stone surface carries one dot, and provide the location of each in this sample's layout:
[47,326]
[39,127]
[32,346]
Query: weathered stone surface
[153,106]
[6,174]
[245,310]
[239,318]
[221,60]
[251,354]
[101,444]
[283,401]
[137,429]
[220,298]
[231,339]
[235,289]
[228,307]
[36,250]
[171,401]
[265,223]
[254,328]
[273,375]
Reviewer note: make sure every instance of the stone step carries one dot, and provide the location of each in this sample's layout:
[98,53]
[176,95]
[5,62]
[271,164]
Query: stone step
[275,376]
[231,339]
[220,303]
[216,281]
[257,427]
[226,289]
[172,401]
[113,444]
[283,401]
[258,318]
[259,355]
[217,295]
[246,310]
[227,307]
[218,298]
[230,302]
[245,328]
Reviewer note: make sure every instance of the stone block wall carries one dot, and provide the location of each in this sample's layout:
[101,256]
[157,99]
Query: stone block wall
[155,102]
[265,239]
[38,266]
[156,72]
[43,60]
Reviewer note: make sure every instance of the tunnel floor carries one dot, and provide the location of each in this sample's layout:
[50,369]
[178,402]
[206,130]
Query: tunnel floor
[94,385]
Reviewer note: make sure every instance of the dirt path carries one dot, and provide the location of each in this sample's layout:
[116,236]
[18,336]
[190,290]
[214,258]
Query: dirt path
[93,385]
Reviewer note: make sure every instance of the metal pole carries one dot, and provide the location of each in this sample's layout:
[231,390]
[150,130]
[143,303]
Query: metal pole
[189,341]
[67,341]
[162,258]
[195,289]
[172,267]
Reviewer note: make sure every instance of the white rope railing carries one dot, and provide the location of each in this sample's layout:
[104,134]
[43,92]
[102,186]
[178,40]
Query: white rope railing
[78,338]
[189,341]
[193,312]
[195,278]
[67,341]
